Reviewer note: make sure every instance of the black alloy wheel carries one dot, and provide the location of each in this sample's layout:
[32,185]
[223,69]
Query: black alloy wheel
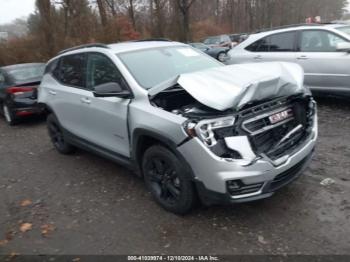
[57,136]
[167,180]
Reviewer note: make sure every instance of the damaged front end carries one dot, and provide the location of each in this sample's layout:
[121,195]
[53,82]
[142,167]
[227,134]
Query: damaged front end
[268,114]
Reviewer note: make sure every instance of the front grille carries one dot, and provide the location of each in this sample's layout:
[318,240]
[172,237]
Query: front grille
[283,137]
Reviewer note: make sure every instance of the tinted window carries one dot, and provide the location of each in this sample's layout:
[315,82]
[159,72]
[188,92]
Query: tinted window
[101,70]
[275,43]
[73,70]
[319,41]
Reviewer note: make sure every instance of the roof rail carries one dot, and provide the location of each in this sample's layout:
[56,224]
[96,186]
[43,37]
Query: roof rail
[285,27]
[84,46]
[154,39]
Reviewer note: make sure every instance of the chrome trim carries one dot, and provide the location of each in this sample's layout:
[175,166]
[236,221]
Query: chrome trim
[251,194]
[269,127]
[288,135]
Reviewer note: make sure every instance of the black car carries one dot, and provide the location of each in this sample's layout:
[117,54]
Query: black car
[219,53]
[18,91]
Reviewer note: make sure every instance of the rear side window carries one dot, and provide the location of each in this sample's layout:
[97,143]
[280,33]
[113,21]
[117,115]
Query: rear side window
[72,70]
[284,42]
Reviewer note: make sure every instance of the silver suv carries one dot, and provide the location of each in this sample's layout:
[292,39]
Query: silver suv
[322,50]
[190,126]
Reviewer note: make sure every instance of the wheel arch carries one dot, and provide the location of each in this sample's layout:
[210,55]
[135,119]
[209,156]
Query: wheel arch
[143,139]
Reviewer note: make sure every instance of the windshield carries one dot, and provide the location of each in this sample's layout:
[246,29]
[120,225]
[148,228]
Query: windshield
[212,41]
[344,29]
[24,73]
[151,67]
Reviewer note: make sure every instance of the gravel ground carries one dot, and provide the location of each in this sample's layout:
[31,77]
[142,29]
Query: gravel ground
[83,204]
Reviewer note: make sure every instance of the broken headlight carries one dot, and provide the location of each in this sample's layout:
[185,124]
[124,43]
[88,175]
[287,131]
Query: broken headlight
[204,129]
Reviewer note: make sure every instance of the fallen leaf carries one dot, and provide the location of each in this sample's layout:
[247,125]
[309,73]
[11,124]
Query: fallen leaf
[3,242]
[47,229]
[26,203]
[262,240]
[76,259]
[25,227]
[10,235]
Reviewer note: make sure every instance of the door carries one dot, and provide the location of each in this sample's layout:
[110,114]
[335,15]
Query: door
[279,47]
[68,91]
[325,67]
[106,121]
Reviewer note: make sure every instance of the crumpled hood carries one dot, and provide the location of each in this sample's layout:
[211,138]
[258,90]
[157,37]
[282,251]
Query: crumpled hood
[234,86]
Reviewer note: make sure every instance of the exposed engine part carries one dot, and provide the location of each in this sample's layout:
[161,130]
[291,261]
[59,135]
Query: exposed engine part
[179,102]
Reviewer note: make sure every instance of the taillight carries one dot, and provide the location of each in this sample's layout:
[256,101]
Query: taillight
[20,90]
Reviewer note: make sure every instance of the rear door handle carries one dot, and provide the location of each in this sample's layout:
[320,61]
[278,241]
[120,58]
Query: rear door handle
[85,100]
[52,93]
[258,57]
[303,57]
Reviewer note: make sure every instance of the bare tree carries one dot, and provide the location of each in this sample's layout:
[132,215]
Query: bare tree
[184,7]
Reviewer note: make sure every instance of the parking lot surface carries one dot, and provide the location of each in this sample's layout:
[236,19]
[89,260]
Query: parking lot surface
[83,204]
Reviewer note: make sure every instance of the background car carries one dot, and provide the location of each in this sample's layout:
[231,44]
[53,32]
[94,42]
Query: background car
[238,38]
[322,50]
[218,41]
[18,90]
[219,53]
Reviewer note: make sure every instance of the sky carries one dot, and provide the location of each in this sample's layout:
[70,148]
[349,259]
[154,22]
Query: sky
[12,9]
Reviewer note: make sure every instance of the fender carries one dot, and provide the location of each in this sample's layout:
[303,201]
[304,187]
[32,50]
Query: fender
[140,133]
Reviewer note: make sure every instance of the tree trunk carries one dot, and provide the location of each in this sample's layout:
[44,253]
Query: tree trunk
[102,11]
[132,14]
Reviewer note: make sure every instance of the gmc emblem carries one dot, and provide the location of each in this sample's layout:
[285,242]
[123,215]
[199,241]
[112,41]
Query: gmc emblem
[281,116]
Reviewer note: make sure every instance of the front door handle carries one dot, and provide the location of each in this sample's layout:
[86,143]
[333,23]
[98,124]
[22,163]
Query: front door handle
[302,57]
[85,100]
[52,93]
[258,57]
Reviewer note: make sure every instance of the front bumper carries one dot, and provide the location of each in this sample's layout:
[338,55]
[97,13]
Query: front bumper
[212,172]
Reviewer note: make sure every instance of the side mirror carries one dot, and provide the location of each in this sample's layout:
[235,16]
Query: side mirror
[343,47]
[111,90]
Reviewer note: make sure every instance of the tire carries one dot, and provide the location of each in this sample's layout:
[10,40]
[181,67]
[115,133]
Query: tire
[57,137]
[168,181]
[9,115]
[221,57]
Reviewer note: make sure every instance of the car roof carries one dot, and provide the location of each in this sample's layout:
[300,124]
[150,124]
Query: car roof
[17,66]
[282,29]
[119,47]
[134,46]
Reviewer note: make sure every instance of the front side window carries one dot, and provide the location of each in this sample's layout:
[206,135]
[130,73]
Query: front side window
[319,41]
[153,66]
[283,42]
[73,70]
[101,70]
